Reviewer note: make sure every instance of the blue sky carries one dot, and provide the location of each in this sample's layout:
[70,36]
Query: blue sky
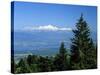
[27,14]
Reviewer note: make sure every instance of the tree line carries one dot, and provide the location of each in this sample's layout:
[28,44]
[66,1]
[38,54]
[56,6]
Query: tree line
[83,54]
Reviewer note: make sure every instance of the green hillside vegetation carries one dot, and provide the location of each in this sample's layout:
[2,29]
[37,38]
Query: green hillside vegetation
[83,55]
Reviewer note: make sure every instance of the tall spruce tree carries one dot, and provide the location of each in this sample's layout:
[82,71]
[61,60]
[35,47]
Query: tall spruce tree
[83,51]
[61,59]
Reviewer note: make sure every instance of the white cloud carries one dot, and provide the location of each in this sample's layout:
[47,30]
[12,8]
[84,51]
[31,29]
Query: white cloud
[47,28]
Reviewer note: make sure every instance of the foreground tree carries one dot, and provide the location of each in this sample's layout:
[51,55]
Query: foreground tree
[60,61]
[83,50]
[22,67]
[32,61]
[44,64]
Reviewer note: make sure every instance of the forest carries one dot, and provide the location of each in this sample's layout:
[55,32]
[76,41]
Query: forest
[83,54]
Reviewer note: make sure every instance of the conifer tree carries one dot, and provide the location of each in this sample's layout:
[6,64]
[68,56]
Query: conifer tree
[29,59]
[61,59]
[82,48]
[44,64]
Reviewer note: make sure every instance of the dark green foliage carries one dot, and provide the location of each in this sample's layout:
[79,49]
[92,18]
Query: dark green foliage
[91,56]
[60,61]
[44,64]
[35,63]
[32,59]
[29,59]
[22,67]
[83,51]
